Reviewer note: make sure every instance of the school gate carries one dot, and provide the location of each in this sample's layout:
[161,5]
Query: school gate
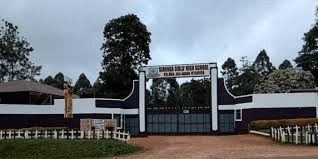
[181,119]
[224,112]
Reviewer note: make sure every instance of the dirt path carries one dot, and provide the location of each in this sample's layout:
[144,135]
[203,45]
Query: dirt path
[207,147]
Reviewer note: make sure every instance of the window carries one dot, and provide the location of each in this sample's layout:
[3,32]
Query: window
[238,114]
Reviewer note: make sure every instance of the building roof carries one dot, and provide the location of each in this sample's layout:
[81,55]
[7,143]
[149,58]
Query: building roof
[24,86]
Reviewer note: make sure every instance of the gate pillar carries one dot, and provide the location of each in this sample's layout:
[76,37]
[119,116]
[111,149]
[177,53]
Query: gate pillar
[213,98]
[142,94]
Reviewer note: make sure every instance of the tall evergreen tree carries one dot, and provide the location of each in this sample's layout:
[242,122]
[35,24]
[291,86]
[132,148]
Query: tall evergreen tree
[285,65]
[14,55]
[59,80]
[245,82]
[49,80]
[262,65]
[308,55]
[126,48]
[82,84]
[230,71]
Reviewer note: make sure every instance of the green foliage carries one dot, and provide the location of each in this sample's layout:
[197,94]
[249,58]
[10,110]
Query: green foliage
[280,81]
[242,81]
[82,85]
[230,72]
[246,80]
[14,55]
[285,65]
[195,93]
[164,92]
[126,48]
[308,55]
[267,124]
[262,65]
[57,81]
[59,148]
[49,80]
[168,93]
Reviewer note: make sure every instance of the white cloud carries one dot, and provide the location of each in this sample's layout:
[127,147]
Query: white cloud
[67,35]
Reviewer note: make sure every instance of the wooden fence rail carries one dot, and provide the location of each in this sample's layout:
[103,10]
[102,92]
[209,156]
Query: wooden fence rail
[296,134]
[64,134]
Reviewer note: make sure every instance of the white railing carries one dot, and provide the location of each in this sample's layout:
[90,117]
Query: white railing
[296,134]
[64,134]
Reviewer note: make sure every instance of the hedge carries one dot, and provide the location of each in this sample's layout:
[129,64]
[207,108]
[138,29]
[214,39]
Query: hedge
[267,124]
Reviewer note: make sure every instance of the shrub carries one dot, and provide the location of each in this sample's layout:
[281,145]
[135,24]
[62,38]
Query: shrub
[267,124]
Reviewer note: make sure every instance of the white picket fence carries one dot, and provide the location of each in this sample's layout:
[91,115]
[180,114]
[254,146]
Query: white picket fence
[296,134]
[63,134]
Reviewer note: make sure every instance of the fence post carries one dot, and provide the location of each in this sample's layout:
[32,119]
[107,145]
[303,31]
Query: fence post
[62,133]
[45,134]
[306,136]
[107,134]
[315,133]
[82,135]
[55,134]
[296,137]
[19,134]
[36,134]
[9,134]
[72,134]
[272,132]
[279,134]
[26,133]
[1,134]
[89,134]
[128,136]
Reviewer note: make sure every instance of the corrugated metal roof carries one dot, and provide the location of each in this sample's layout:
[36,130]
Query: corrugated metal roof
[22,86]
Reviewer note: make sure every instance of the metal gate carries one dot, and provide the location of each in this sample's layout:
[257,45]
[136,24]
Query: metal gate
[195,120]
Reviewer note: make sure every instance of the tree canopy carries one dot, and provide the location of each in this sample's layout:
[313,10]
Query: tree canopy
[14,55]
[57,81]
[280,81]
[82,84]
[285,65]
[262,65]
[308,55]
[126,47]
[229,71]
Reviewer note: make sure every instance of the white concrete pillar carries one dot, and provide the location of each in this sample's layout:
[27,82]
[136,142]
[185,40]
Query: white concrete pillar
[214,102]
[142,89]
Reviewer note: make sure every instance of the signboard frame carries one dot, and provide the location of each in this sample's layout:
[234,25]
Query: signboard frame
[178,70]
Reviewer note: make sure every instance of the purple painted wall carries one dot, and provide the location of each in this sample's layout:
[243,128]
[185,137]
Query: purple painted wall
[249,115]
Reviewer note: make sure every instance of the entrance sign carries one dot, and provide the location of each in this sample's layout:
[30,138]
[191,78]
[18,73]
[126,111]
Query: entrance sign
[177,71]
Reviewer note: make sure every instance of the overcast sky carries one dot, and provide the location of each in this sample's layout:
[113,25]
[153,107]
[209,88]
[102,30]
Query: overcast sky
[67,35]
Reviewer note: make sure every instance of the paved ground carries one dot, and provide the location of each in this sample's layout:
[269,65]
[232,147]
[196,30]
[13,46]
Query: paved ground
[209,147]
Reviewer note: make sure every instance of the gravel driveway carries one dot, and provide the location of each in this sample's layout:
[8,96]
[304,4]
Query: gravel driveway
[207,147]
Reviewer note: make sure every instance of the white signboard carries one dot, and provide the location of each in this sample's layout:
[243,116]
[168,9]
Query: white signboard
[99,124]
[182,70]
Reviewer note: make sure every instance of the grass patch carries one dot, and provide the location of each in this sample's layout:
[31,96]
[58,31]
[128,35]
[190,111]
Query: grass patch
[63,148]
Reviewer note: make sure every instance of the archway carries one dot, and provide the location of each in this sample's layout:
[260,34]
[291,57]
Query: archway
[180,71]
